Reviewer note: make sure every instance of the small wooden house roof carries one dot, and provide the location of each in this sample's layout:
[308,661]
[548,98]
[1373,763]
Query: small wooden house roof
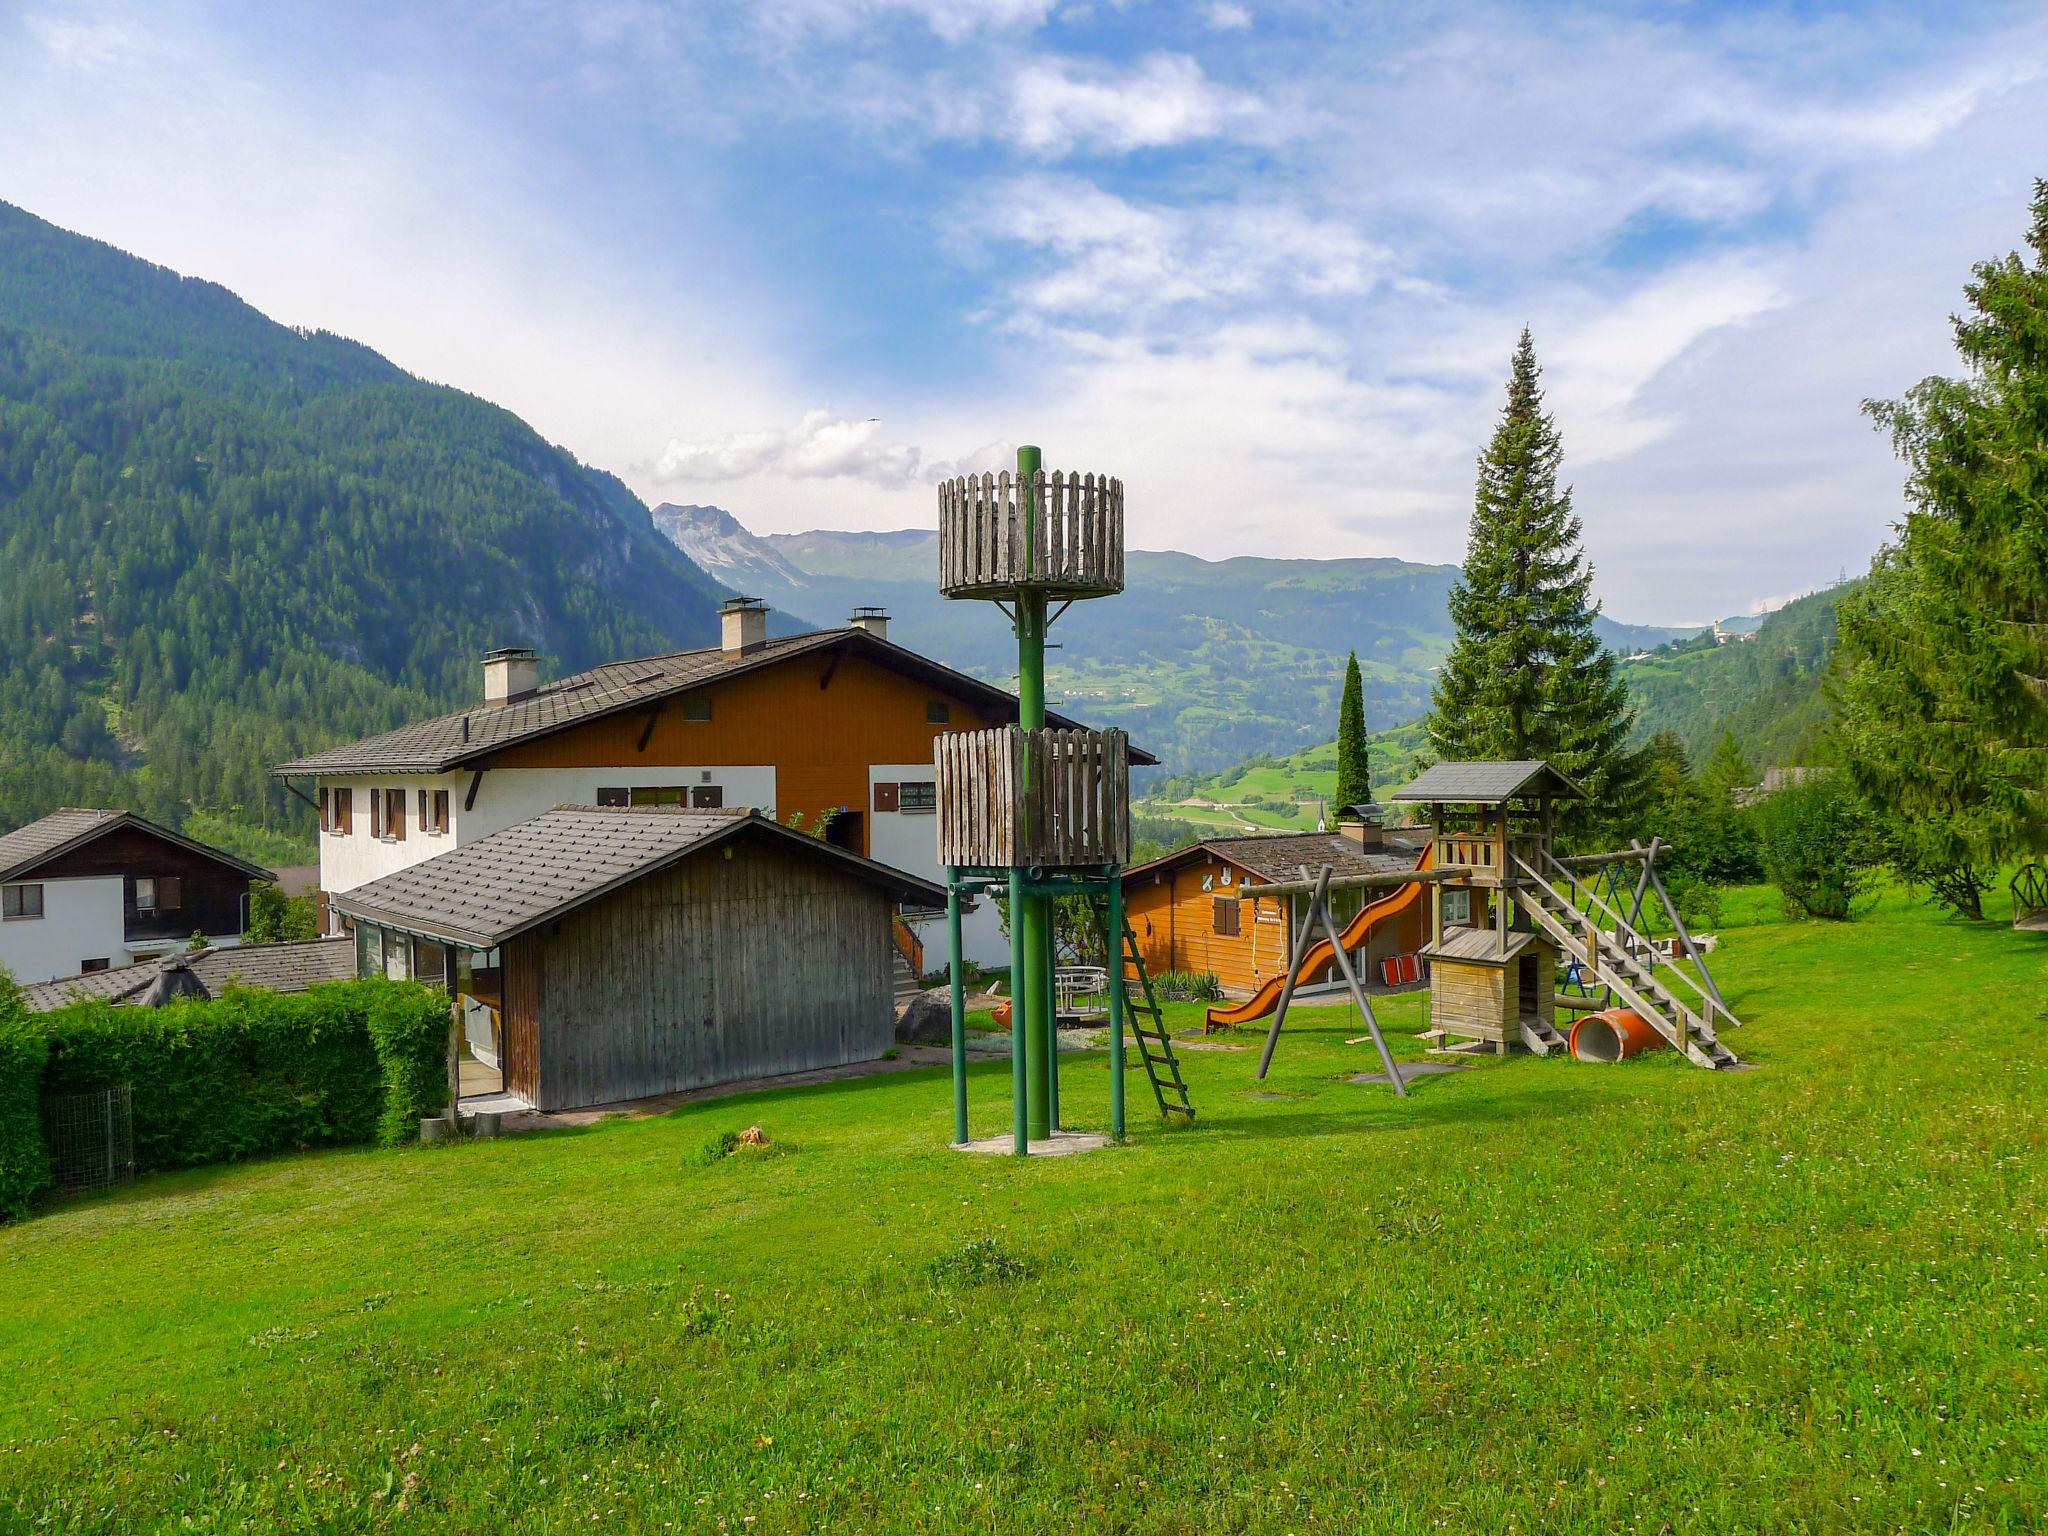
[1489,783]
[26,849]
[486,892]
[1482,946]
[1278,856]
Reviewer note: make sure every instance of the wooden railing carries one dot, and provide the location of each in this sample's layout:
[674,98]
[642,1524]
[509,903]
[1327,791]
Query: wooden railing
[909,946]
[1049,799]
[1075,542]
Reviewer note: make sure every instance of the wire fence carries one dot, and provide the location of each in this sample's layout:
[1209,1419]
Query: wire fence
[91,1139]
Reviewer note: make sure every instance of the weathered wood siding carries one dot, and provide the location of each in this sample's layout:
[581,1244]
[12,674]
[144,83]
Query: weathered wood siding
[1471,1000]
[717,969]
[521,1017]
[1051,799]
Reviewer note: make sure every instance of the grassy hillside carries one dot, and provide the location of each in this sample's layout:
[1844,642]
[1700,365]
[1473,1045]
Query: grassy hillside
[1767,690]
[224,542]
[1533,1296]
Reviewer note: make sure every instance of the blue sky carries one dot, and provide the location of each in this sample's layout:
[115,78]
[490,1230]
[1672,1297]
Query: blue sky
[1265,261]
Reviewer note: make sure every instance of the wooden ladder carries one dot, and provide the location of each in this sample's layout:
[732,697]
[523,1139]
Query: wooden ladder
[1140,1006]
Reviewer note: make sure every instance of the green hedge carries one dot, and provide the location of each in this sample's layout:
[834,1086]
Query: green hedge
[24,1170]
[257,1072]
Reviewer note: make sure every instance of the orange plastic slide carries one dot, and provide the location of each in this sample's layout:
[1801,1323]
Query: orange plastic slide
[1267,998]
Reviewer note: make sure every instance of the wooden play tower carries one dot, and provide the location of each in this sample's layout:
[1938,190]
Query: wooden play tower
[1033,813]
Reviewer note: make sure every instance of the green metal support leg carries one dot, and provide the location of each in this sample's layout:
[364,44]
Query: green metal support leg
[1113,942]
[959,987]
[1020,1033]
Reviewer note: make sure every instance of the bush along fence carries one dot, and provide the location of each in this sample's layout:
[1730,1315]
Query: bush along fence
[239,1076]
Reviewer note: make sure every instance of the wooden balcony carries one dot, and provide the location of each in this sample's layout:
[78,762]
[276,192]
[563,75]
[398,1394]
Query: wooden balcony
[1048,799]
[1074,546]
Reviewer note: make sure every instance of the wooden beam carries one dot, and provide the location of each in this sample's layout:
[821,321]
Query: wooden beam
[831,666]
[469,800]
[1360,882]
[647,730]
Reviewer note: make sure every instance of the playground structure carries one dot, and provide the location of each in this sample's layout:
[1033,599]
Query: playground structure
[1506,913]
[2030,899]
[1034,814]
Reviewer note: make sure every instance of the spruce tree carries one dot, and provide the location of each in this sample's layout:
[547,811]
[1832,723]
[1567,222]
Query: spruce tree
[1354,763]
[1941,683]
[1526,676]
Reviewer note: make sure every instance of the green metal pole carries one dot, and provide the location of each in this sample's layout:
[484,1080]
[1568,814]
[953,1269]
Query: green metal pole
[1050,992]
[1030,916]
[1019,996]
[959,1008]
[1115,940]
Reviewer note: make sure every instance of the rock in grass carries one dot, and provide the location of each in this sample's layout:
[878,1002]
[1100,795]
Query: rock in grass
[927,1021]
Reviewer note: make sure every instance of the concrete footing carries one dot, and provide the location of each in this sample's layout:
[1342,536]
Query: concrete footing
[1058,1144]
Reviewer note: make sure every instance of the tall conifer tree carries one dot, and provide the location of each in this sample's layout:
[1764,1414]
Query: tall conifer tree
[1354,763]
[1526,676]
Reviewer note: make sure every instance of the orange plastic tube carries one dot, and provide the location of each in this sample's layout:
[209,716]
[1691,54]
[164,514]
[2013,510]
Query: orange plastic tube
[1614,1034]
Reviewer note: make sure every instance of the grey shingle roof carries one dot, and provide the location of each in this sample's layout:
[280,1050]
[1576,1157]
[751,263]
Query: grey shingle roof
[1280,855]
[1488,783]
[1480,946]
[24,848]
[449,741]
[498,887]
[273,967]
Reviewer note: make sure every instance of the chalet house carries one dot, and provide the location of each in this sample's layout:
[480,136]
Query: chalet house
[84,891]
[1187,915]
[839,721]
[609,953]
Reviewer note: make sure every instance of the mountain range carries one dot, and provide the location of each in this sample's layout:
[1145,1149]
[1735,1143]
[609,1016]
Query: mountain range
[1207,662]
[225,542]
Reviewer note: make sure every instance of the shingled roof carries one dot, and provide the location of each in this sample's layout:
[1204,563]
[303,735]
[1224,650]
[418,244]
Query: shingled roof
[452,741]
[289,967]
[1488,783]
[498,887]
[1281,855]
[25,848]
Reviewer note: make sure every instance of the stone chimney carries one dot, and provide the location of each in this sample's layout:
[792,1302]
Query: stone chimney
[1365,825]
[874,620]
[510,674]
[744,626]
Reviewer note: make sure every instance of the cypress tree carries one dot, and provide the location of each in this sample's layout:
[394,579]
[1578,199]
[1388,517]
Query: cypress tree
[1354,763]
[1526,676]
[1941,683]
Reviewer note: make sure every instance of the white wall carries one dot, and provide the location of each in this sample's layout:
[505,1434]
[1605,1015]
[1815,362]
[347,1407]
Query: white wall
[909,840]
[506,797]
[82,920]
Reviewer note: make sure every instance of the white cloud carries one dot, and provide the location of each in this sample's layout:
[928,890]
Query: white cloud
[1225,16]
[85,45]
[951,20]
[1058,105]
[821,446]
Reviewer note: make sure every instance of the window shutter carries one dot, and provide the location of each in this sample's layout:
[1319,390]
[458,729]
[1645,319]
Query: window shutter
[376,813]
[394,803]
[423,810]
[885,797]
[170,893]
[440,810]
[612,797]
[326,825]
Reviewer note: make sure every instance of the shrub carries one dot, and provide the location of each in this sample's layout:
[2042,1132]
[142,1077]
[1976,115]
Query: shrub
[23,1167]
[981,1261]
[1188,986]
[1820,847]
[408,1026]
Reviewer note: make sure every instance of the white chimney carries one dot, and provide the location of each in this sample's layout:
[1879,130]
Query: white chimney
[744,625]
[510,674]
[874,620]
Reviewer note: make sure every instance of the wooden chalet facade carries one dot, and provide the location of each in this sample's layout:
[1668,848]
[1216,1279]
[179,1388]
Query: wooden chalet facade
[609,953]
[1187,915]
[83,891]
[840,722]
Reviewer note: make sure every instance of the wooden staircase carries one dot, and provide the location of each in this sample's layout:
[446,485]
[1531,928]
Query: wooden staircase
[1148,1028]
[1618,966]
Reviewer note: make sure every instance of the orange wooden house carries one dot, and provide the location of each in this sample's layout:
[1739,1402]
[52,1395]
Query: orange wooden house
[1187,915]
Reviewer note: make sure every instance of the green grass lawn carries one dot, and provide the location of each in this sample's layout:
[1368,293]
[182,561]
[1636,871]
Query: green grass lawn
[1534,1296]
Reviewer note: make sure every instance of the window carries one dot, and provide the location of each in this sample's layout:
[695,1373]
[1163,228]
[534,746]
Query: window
[369,950]
[707,797]
[387,814]
[145,895]
[918,798]
[938,712]
[1458,908]
[430,963]
[613,797]
[886,797]
[87,967]
[434,812]
[21,901]
[1229,917]
[697,708]
[344,811]
[665,794]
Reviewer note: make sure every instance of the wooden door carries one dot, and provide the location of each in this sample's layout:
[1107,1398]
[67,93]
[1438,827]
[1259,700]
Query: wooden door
[521,1060]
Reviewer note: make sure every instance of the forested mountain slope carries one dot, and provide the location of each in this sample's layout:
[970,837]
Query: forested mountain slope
[224,542]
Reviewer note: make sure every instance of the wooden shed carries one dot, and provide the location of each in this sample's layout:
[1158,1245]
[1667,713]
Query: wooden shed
[610,953]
